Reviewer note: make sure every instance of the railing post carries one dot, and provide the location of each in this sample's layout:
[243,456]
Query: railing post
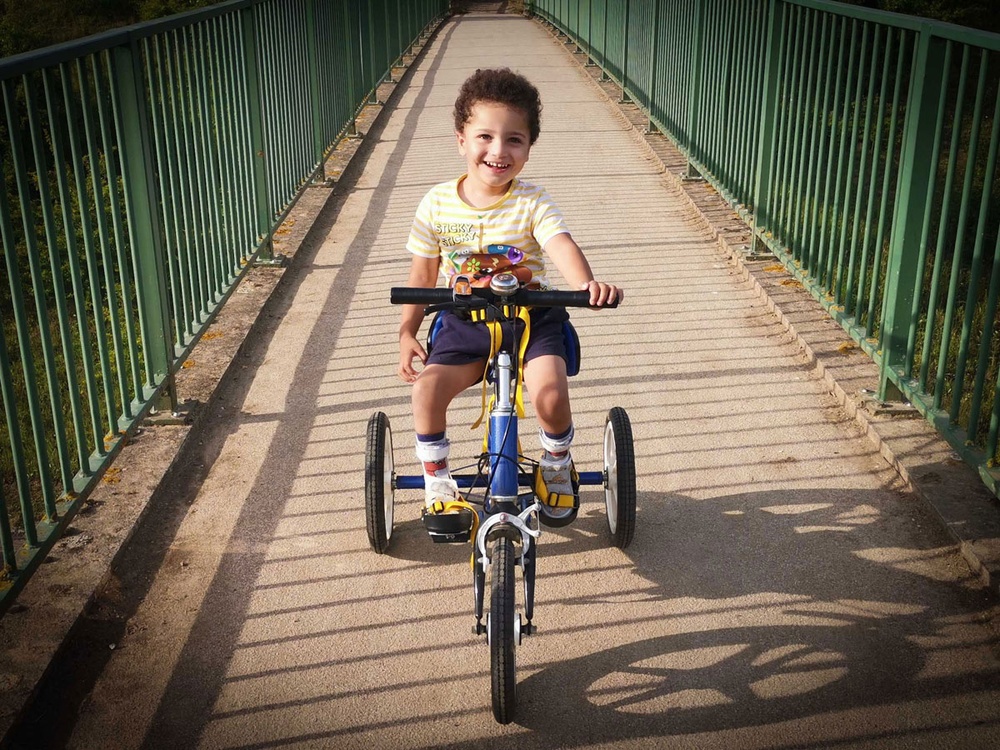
[31,379]
[399,32]
[145,230]
[365,19]
[652,66]
[694,92]
[604,45]
[388,44]
[625,54]
[916,179]
[352,45]
[312,61]
[256,121]
[22,326]
[768,120]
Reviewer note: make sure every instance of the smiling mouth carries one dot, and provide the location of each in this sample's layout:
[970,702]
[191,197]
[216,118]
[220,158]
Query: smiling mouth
[496,165]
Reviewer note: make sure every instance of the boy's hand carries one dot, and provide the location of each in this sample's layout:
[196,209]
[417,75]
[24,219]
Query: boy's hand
[602,294]
[409,349]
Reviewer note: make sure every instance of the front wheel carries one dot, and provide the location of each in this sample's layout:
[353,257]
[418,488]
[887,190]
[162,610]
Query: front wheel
[379,481]
[619,477]
[502,631]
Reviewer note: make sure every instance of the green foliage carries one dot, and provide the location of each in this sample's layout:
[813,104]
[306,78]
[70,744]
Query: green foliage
[26,26]
[150,9]
[976,14]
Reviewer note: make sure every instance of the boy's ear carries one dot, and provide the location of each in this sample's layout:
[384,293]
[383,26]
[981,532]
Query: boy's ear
[460,139]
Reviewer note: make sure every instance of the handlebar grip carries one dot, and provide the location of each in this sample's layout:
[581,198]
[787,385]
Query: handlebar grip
[405,295]
[554,298]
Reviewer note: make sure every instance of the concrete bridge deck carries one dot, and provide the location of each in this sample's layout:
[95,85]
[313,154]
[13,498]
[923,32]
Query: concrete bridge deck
[786,588]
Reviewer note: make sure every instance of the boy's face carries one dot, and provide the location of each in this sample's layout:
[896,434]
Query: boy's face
[495,142]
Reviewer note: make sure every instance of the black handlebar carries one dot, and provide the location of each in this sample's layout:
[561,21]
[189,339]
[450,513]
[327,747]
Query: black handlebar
[404,295]
[407,295]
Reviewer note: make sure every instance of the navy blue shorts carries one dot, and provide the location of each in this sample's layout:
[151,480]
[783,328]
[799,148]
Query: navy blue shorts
[459,342]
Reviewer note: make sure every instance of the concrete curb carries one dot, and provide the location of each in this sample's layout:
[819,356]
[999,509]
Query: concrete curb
[55,601]
[910,444]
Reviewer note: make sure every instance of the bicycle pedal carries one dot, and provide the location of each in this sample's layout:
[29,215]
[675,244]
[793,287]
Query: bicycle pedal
[449,528]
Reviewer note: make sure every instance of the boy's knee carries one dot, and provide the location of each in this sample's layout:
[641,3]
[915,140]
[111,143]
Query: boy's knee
[424,392]
[551,405]
[549,390]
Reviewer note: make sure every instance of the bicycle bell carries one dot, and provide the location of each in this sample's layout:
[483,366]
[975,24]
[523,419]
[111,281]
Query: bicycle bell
[504,284]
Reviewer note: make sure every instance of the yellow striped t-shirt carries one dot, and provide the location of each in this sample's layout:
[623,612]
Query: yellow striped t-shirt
[446,227]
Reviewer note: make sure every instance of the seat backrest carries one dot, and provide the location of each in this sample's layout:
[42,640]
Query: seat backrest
[435,327]
[572,341]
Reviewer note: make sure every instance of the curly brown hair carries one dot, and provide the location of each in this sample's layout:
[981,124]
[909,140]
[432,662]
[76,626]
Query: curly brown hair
[500,86]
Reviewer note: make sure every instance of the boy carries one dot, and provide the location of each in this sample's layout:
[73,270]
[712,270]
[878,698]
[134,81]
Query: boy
[488,218]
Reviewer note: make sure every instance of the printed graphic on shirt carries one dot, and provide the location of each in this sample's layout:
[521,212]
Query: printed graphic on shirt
[451,234]
[481,267]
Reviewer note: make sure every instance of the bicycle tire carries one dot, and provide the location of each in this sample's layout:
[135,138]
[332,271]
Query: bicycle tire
[379,476]
[502,635]
[619,471]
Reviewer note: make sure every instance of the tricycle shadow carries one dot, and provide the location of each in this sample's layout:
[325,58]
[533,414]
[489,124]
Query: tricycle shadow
[759,609]
[411,542]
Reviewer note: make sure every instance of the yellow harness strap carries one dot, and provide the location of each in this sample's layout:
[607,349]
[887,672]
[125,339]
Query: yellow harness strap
[554,499]
[496,338]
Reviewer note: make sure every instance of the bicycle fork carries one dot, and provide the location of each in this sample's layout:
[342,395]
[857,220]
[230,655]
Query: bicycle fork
[505,517]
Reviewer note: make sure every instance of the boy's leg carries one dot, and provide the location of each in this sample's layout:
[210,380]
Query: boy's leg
[433,391]
[545,379]
[556,481]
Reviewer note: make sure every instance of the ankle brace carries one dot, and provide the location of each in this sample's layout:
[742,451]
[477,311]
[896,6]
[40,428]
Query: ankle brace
[433,457]
[556,444]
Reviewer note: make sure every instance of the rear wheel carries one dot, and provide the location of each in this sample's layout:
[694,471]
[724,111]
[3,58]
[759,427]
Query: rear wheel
[619,477]
[502,632]
[379,480]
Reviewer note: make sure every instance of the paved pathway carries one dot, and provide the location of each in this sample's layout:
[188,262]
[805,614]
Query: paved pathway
[783,589]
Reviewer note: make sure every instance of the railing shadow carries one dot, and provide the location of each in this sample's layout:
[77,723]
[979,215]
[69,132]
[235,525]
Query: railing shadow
[185,708]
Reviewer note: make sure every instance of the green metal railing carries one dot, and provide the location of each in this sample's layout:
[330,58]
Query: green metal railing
[861,147]
[144,170]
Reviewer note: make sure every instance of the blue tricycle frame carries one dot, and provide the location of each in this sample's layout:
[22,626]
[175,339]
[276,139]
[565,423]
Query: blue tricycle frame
[500,518]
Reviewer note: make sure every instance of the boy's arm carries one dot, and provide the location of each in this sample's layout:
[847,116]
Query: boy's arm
[423,273]
[573,265]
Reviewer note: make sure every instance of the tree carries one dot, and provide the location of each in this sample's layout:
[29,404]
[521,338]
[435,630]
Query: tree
[26,26]
[976,14]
